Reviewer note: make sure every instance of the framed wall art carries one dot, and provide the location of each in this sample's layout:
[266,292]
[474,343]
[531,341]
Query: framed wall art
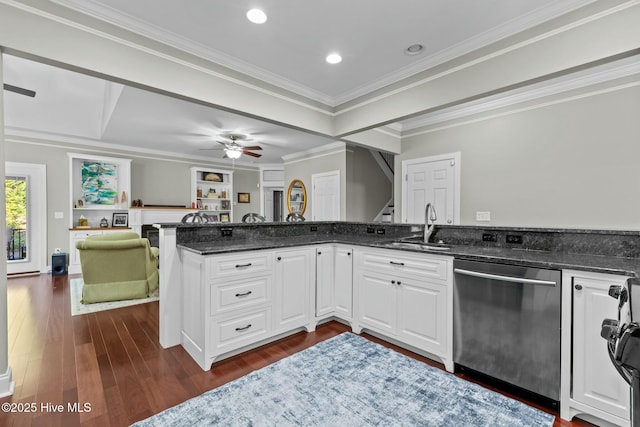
[120,220]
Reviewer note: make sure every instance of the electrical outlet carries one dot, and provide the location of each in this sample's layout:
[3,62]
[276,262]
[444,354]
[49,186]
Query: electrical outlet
[380,231]
[483,216]
[371,230]
[226,232]
[489,237]
[514,238]
[314,228]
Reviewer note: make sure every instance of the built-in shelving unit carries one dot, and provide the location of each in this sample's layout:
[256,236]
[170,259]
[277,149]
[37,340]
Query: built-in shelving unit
[212,193]
[99,187]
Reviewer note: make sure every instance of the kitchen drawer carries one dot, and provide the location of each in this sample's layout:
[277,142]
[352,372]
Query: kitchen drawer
[239,294]
[401,262]
[233,332]
[243,263]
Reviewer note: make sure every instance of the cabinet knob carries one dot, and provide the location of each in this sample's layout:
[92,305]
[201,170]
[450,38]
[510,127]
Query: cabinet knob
[319,253]
[399,282]
[279,258]
[393,282]
[578,287]
[348,253]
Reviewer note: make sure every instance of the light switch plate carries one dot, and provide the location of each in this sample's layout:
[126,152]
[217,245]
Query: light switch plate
[58,215]
[483,216]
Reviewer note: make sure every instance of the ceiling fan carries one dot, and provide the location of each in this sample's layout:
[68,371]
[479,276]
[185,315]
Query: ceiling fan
[233,149]
[19,90]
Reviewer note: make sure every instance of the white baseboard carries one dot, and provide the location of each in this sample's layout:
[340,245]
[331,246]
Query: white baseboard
[7,385]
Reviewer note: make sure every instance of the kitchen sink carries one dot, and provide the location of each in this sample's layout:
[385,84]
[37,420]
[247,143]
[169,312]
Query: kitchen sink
[418,245]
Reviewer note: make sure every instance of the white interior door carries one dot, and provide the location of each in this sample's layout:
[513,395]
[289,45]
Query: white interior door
[325,196]
[27,235]
[434,180]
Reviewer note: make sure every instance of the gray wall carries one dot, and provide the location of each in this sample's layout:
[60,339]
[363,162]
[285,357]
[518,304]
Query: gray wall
[364,189]
[572,162]
[302,169]
[154,180]
[368,188]
[245,181]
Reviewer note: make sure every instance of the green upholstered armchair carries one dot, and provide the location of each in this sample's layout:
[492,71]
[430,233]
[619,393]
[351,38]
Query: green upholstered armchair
[117,266]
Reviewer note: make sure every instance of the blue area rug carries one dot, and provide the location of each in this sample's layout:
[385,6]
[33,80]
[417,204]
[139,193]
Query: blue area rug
[350,381]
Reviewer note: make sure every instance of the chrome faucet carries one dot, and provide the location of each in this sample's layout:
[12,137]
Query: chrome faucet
[429,215]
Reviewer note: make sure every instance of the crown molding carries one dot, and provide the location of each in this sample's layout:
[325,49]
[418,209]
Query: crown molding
[128,22]
[25,136]
[315,152]
[486,38]
[601,74]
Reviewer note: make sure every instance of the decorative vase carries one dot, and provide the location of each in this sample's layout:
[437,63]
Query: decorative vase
[123,199]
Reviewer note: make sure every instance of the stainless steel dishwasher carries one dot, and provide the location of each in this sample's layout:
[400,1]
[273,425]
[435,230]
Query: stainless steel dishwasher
[507,325]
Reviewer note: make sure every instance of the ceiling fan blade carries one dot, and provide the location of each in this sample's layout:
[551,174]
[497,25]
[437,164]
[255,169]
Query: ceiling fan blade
[253,147]
[249,153]
[19,90]
[209,149]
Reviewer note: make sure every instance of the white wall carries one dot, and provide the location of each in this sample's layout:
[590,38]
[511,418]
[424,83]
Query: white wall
[567,162]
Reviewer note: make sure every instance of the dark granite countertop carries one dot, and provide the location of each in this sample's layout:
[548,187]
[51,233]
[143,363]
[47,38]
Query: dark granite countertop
[506,255]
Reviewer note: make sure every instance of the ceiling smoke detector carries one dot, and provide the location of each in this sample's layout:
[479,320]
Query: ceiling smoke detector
[414,49]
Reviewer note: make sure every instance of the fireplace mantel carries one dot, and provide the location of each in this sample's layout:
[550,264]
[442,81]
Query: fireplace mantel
[153,215]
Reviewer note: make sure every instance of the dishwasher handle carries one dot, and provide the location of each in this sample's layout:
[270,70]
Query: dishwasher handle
[504,278]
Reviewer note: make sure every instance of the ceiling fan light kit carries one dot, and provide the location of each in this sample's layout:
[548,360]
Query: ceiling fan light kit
[233,150]
[233,153]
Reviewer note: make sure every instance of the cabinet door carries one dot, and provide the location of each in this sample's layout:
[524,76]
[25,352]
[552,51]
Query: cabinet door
[294,278]
[422,314]
[595,380]
[324,280]
[377,301]
[343,283]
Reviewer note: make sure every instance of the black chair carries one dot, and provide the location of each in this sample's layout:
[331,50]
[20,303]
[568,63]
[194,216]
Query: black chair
[253,217]
[295,217]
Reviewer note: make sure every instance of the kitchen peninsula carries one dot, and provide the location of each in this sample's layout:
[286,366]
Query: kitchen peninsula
[227,288]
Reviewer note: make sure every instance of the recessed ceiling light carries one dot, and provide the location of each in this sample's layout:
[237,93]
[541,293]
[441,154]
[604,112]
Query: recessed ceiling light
[257,16]
[334,58]
[414,49]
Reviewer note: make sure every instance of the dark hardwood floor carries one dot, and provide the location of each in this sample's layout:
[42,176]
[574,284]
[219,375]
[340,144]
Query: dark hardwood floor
[112,360]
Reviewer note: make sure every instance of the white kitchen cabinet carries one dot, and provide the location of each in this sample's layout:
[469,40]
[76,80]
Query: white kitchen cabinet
[421,310]
[407,297]
[378,301]
[294,280]
[334,282]
[325,279]
[343,282]
[227,302]
[591,387]
[232,302]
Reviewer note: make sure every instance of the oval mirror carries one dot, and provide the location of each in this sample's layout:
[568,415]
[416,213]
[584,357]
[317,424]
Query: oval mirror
[297,197]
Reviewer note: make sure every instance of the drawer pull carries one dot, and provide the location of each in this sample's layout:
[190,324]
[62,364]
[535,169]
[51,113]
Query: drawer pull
[396,263]
[244,294]
[243,265]
[243,328]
